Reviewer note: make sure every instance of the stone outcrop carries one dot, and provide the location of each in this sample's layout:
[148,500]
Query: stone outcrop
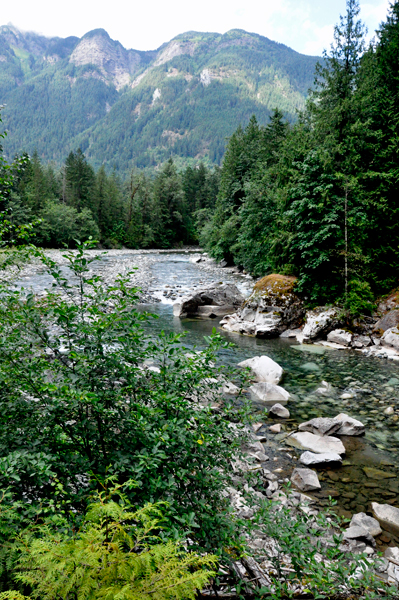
[319,323]
[268,393]
[264,369]
[272,308]
[391,319]
[215,301]
[340,336]
[391,338]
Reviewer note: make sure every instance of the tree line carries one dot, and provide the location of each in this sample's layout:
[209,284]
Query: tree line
[319,199]
[76,202]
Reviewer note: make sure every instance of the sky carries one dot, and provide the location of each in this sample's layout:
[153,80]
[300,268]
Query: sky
[304,25]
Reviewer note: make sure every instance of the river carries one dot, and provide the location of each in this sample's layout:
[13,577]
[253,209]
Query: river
[370,385]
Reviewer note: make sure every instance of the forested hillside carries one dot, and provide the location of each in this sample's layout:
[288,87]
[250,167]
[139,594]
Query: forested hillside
[319,199]
[126,108]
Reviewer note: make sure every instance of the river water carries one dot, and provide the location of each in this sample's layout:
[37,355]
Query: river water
[371,385]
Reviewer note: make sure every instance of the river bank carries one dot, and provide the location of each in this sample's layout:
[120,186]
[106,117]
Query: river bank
[366,388]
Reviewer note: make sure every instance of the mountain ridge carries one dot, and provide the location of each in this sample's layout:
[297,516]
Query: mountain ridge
[128,108]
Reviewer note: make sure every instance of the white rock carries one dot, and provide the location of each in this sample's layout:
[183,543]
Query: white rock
[316,443]
[264,369]
[358,533]
[387,516]
[391,337]
[311,459]
[348,425]
[340,336]
[230,388]
[389,410]
[276,428]
[268,393]
[369,523]
[277,410]
[392,554]
[316,322]
[305,480]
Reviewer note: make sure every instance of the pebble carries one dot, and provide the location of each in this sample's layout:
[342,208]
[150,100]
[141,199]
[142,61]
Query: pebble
[389,410]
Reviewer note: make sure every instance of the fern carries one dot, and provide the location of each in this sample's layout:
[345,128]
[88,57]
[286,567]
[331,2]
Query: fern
[114,556]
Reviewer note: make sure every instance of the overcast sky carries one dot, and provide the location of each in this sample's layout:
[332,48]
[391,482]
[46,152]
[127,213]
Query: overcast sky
[305,25]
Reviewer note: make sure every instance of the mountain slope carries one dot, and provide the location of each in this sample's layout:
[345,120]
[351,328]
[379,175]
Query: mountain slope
[129,108]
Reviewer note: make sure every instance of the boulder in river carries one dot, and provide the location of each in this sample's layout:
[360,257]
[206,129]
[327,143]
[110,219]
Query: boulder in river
[340,336]
[368,523]
[318,323]
[305,480]
[217,300]
[342,424]
[277,410]
[311,459]
[264,369]
[305,440]
[268,393]
[391,338]
[272,308]
[387,516]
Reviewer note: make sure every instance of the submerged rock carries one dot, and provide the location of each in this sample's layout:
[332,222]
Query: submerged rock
[264,369]
[368,523]
[272,308]
[268,393]
[387,516]
[277,410]
[217,300]
[305,480]
[316,443]
[310,459]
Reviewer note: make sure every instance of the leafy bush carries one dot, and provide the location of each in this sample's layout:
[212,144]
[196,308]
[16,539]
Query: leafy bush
[84,387]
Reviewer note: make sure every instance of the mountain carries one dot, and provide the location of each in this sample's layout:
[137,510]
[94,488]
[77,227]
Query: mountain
[128,108]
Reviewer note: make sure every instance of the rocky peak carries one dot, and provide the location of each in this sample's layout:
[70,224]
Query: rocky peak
[29,41]
[114,62]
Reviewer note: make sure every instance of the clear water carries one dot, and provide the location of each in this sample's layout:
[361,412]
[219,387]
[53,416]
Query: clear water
[372,382]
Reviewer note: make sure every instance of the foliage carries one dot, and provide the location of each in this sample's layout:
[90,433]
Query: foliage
[318,199]
[116,553]
[77,395]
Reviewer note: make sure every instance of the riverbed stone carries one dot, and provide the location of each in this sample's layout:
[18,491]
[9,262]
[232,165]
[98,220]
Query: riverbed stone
[264,369]
[357,532]
[387,516]
[349,425]
[305,440]
[276,428]
[305,480]
[216,300]
[320,426]
[392,554]
[325,389]
[368,523]
[311,459]
[340,336]
[268,393]
[277,410]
